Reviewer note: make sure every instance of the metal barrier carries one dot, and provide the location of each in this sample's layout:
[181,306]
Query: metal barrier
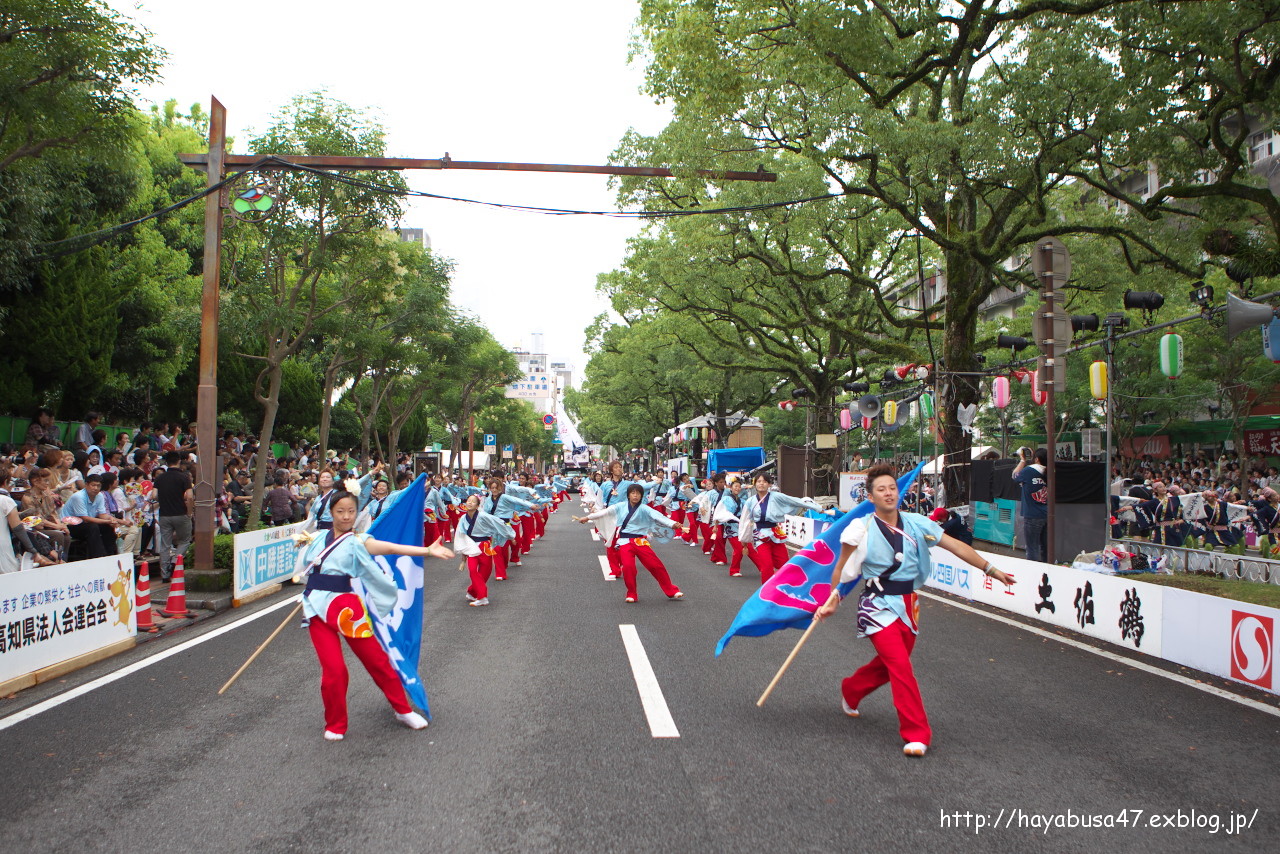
[1237,567]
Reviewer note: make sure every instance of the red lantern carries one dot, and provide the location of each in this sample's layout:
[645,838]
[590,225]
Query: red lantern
[1038,393]
[866,423]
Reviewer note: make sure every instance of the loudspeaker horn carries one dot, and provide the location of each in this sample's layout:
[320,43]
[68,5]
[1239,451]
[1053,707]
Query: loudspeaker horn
[869,405]
[1243,314]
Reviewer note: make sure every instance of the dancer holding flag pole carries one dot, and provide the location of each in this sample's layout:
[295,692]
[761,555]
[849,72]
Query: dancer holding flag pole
[890,550]
[344,584]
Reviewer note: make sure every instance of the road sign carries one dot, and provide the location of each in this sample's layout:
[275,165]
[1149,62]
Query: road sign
[490,443]
[557,441]
[508,451]
[548,419]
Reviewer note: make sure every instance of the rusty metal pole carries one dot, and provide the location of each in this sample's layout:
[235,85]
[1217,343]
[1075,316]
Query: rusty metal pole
[1051,388]
[207,393]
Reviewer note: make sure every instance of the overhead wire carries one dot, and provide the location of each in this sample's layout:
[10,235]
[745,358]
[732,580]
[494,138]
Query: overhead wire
[80,242]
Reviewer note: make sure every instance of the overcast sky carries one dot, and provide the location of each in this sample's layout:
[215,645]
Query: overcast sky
[502,80]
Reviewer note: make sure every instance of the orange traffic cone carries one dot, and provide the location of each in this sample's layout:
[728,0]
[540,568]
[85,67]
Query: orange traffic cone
[145,623]
[177,604]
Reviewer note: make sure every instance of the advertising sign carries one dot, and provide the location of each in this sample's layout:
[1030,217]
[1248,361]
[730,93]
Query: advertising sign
[1111,608]
[52,613]
[853,488]
[263,558]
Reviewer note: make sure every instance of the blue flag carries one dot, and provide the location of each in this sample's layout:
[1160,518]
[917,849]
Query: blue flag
[401,632]
[789,598]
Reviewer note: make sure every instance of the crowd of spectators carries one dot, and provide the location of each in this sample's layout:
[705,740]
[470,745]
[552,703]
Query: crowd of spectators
[71,497]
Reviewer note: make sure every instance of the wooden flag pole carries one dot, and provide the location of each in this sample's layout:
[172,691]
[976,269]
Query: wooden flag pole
[259,650]
[783,669]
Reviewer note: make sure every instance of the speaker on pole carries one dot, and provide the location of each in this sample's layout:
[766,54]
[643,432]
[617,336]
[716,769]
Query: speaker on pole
[1243,314]
[869,405]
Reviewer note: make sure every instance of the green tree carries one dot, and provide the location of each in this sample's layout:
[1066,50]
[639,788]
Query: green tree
[324,251]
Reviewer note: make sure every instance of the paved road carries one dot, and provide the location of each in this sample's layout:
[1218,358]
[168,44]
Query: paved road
[540,743]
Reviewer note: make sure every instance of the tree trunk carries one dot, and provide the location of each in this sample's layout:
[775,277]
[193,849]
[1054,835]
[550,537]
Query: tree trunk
[326,407]
[963,277]
[270,406]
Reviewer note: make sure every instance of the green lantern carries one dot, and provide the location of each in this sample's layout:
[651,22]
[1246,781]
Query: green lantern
[926,405]
[1171,355]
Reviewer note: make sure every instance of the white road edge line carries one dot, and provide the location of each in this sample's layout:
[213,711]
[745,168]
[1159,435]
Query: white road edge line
[54,702]
[661,723]
[604,567]
[1127,662]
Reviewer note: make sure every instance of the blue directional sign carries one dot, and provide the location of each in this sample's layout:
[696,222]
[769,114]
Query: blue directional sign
[491,438]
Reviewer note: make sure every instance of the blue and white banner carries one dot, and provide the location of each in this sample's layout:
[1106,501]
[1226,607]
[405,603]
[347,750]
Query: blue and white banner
[401,632]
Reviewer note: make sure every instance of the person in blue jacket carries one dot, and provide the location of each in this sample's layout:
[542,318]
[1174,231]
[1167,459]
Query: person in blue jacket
[506,507]
[480,537]
[635,522]
[332,608]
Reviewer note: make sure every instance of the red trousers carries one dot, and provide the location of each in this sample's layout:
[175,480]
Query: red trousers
[500,562]
[333,673]
[705,529]
[691,519]
[513,547]
[540,523]
[892,664]
[629,554]
[717,544]
[526,534]
[768,557]
[612,554]
[430,532]
[736,565]
[479,568]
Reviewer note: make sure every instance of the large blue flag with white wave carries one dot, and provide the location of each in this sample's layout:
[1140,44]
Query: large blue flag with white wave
[789,598]
[401,632]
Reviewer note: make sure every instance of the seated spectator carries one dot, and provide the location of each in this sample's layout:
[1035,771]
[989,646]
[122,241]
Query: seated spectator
[67,479]
[953,525]
[86,513]
[40,500]
[42,431]
[280,500]
[94,461]
[84,435]
[241,494]
[123,445]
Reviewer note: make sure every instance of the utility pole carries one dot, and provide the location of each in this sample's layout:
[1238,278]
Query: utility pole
[1052,264]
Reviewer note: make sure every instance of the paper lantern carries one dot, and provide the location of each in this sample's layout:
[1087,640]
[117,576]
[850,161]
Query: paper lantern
[846,419]
[1000,392]
[713,435]
[1038,394]
[866,423]
[787,405]
[1023,377]
[1271,340]
[890,412]
[1098,380]
[926,405]
[1171,355]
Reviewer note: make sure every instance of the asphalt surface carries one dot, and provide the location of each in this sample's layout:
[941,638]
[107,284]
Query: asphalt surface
[539,741]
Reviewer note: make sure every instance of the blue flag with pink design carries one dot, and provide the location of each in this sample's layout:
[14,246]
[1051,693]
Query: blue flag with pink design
[400,632]
[789,598]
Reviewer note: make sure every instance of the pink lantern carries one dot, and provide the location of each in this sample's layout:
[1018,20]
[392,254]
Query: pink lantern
[1000,392]
[846,419]
[866,423]
[713,435]
[1038,393]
